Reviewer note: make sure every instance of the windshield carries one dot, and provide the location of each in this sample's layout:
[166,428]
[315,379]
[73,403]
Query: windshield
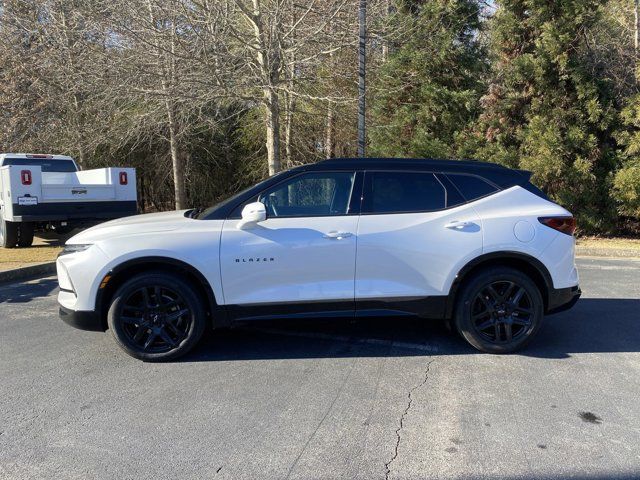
[47,164]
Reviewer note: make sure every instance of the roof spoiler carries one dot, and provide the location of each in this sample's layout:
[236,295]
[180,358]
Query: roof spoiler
[526,174]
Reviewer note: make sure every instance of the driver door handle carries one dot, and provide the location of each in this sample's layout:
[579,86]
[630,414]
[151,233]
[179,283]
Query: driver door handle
[337,235]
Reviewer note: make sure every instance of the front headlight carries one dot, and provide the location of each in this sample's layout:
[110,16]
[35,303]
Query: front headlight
[73,249]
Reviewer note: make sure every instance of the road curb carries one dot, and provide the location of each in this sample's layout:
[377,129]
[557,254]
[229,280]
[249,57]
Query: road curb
[30,272]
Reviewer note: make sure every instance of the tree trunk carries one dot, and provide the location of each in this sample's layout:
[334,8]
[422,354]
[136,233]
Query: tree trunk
[272,123]
[176,161]
[290,99]
[288,127]
[636,28]
[330,141]
[268,56]
[385,42]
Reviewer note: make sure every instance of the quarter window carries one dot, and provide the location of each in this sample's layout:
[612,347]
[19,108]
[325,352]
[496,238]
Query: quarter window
[310,195]
[471,187]
[403,192]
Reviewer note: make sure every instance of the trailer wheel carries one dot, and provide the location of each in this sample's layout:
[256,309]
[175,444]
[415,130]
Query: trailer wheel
[25,234]
[8,234]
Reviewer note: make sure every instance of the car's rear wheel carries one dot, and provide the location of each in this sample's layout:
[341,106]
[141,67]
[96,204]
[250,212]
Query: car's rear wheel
[8,234]
[156,317]
[499,310]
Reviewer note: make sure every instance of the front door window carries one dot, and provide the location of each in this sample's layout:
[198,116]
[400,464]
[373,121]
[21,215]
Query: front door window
[310,195]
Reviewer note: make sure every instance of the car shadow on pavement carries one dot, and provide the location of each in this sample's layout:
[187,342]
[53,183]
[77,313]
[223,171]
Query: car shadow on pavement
[593,325]
[27,291]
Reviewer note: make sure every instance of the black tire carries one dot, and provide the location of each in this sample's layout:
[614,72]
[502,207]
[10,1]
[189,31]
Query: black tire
[8,234]
[146,321]
[25,234]
[499,310]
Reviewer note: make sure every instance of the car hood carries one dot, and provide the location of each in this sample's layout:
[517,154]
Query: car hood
[137,224]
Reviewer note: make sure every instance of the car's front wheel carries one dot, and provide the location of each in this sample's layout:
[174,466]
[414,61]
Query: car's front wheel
[499,310]
[156,317]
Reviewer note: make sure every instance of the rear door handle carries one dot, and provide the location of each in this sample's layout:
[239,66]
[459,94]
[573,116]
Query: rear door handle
[457,225]
[337,235]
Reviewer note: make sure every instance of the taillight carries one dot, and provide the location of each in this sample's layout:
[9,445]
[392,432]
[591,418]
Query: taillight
[123,178]
[25,176]
[562,224]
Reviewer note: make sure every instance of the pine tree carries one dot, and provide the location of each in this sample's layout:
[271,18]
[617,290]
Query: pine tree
[546,109]
[429,88]
[626,182]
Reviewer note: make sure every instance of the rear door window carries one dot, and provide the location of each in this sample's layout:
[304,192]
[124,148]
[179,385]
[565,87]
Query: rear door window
[402,192]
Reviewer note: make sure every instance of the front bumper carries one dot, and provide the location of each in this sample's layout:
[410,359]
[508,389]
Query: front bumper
[562,299]
[83,320]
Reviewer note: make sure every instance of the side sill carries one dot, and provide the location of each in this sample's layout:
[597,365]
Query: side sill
[285,310]
[423,307]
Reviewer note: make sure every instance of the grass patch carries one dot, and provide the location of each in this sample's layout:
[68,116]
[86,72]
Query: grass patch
[17,257]
[608,247]
[610,243]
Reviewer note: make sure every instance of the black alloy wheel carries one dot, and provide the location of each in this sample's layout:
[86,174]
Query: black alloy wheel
[156,316]
[499,310]
[155,319]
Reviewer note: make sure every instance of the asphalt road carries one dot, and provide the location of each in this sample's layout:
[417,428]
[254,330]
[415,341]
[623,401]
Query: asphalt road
[391,398]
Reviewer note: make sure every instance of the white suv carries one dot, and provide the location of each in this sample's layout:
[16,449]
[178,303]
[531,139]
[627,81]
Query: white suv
[472,242]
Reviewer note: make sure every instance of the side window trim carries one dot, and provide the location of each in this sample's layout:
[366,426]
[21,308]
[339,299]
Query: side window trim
[455,191]
[356,186]
[367,192]
[355,201]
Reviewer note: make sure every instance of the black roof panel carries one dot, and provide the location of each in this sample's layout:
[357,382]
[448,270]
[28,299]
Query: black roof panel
[497,174]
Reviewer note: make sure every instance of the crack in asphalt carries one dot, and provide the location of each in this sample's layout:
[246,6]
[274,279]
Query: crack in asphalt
[387,465]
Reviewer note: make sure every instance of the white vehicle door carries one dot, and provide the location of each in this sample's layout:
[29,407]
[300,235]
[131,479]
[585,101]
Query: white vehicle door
[409,242]
[303,253]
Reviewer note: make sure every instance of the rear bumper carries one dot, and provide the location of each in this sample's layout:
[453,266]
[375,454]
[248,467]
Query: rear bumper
[82,320]
[562,299]
[74,211]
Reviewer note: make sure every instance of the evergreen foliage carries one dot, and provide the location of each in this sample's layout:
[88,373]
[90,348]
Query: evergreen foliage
[430,86]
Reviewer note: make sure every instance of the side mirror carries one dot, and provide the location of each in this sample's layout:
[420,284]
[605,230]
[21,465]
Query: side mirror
[251,214]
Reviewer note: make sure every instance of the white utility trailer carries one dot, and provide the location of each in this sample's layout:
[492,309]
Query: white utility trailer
[50,192]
